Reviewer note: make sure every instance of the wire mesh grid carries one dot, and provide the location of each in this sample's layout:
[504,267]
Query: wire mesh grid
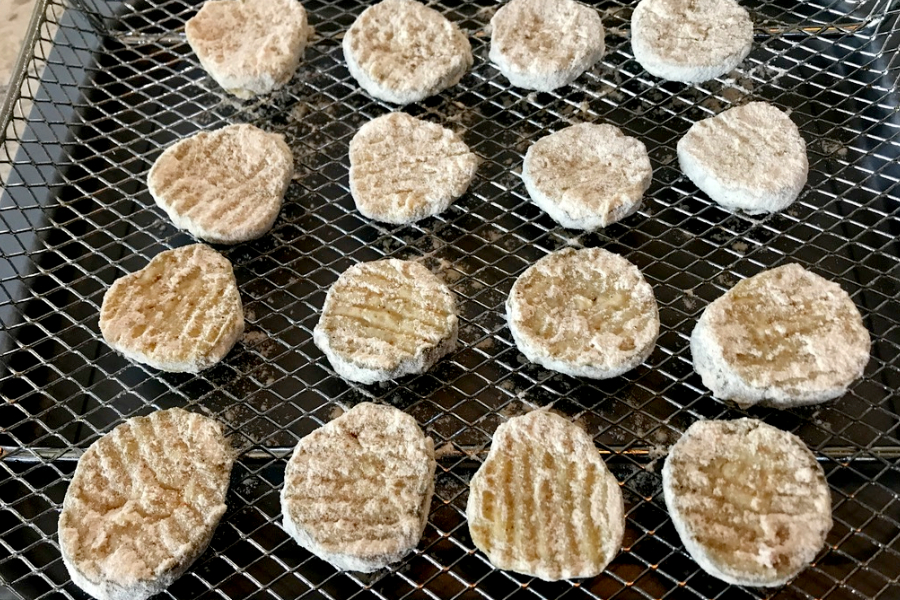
[119,84]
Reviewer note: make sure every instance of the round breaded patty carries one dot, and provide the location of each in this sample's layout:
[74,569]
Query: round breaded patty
[357,491]
[690,40]
[249,47]
[543,503]
[545,44]
[385,319]
[585,313]
[749,501]
[224,186]
[587,176]
[749,158]
[144,503]
[403,169]
[401,51]
[180,313]
[785,337]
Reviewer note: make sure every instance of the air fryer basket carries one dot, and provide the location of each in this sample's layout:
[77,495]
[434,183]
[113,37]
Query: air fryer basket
[105,86]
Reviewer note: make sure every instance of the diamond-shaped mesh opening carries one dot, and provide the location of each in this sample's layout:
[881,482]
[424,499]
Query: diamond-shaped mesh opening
[110,84]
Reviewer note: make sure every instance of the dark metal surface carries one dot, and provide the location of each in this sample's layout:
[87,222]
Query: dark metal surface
[120,85]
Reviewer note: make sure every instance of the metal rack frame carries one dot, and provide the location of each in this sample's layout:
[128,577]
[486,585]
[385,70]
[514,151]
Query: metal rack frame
[103,87]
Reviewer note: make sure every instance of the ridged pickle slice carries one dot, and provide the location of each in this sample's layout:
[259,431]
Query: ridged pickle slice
[749,501]
[144,502]
[544,503]
[357,490]
[182,312]
[786,336]
[386,318]
[584,312]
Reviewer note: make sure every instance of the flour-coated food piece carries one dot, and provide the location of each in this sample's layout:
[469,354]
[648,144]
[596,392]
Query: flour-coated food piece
[585,313]
[402,51]
[180,313]
[143,504]
[690,40]
[385,319]
[224,186]
[358,490]
[543,503]
[750,158]
[749,501]
[785,337]
[403,169]
[545,44]
[249,47]
[587,176]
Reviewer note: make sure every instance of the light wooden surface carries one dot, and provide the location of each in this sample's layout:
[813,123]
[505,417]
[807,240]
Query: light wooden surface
[14,17]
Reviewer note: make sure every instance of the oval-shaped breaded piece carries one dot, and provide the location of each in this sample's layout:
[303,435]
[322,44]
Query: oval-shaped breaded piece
[224,186]
[690,40]
[402,51]
[586,313]
[358,490]
[180,313]
[249,47]
[749,501]
[750,158]
[543,503]
[403,169]
[587,176]
[144,503]
[545,44]
[385,319]
[785,337]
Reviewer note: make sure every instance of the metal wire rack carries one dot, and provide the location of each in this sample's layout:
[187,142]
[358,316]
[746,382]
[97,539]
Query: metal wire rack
[105,86]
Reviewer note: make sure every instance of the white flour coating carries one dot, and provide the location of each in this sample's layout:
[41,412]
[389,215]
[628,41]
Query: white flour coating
[401,51]
[249,47]
[385,319]
[585,313]
[785,337]
[357,491]
[180,313]
[224,186]
[545,44]
[749,501]
[587,176]
[690,40]
[543,503]
[749,158]
[144,503]
[403,169]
